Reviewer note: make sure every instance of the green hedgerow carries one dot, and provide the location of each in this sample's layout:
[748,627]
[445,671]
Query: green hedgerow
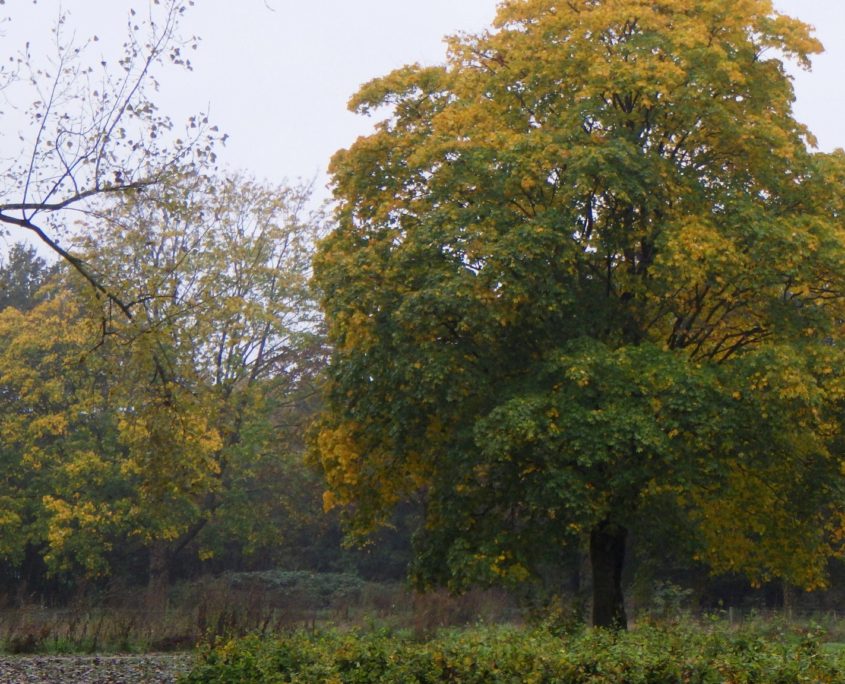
[510,655]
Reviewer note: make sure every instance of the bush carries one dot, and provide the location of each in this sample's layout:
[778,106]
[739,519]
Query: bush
[648,655]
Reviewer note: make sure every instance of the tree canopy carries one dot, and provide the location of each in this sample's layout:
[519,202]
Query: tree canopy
[176,430]
[587,272]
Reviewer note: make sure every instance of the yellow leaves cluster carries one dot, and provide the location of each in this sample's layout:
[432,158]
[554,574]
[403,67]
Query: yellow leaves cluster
[71,529]
[579,374]
[174,448]
[502,566]
[340,455]
[357,330]
[369,475]
[81,430]
[696,30]
[698,252]
[747,528]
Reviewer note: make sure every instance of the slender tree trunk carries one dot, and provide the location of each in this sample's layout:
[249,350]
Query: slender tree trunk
[159,579]
[607,556]
[788,593]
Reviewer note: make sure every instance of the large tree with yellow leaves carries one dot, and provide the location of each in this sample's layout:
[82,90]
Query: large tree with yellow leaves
[173,430]
[585,271]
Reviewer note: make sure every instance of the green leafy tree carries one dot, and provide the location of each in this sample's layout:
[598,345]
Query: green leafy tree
[22,275]
[586,271]
[223,334]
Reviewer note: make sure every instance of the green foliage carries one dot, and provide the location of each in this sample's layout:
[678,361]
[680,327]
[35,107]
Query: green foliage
[22,275]
[585,271]
[648,655]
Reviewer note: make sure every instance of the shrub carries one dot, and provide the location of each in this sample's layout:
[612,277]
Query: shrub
[648,655]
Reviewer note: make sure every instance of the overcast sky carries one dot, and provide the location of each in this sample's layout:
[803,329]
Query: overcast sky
[277,73]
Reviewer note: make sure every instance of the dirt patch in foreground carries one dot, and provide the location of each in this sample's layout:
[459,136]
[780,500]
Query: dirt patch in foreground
[154,668]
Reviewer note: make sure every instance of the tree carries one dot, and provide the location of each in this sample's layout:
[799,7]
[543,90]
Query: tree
[586,271]
[173,433]
[92,130]
[61,458]
[22,275]
[224,339]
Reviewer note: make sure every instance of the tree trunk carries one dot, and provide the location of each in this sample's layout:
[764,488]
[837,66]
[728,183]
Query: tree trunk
[607,556]
[159,580]
[788,592]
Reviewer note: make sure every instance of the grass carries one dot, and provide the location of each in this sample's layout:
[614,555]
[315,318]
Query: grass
[238,604]
[219,610]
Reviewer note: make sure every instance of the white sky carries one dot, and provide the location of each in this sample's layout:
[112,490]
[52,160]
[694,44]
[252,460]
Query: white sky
[277,73]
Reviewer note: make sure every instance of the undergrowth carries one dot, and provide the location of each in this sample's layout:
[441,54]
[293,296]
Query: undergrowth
[650,654]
